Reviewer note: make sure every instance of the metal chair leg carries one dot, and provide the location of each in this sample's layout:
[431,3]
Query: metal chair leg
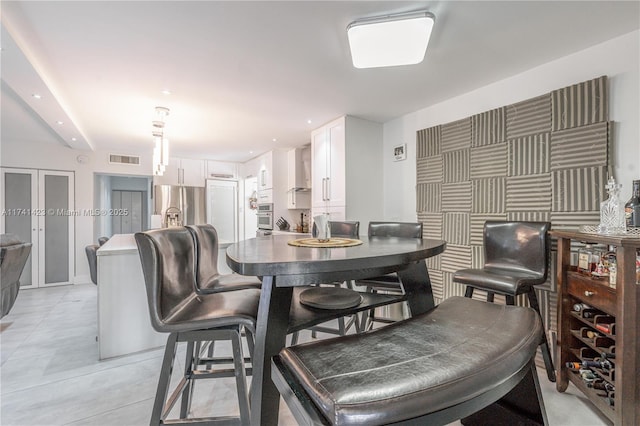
[164,380]
[294,338]
[468,292]
[241,377]
[187,392]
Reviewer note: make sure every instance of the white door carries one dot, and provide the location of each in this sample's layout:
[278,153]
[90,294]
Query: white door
[38,206]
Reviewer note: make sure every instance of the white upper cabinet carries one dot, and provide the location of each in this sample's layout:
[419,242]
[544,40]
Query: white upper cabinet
[347,170]
[222,170]
[192,172]
[265,171]
[328,164]
[182,171]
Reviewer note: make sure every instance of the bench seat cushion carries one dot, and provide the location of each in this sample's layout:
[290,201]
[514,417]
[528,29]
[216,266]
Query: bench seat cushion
[411,368]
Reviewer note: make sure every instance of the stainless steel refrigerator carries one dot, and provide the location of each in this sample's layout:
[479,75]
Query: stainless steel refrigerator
[180,205]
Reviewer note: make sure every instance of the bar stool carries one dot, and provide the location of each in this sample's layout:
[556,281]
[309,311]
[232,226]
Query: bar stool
[389,283]
[516,257]
[344,229]
[168,264]
[208,278]
[92,257]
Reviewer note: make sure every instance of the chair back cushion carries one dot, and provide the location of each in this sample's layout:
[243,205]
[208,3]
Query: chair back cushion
[395,229]
[344,229]
[205,238]
[168,265]
[13,256]
[92,258]
[517,246]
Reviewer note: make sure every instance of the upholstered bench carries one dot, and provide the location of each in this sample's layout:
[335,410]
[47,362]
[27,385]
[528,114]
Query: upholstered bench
[435,368]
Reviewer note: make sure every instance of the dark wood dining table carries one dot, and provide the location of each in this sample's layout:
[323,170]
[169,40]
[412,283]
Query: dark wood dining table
[283,267]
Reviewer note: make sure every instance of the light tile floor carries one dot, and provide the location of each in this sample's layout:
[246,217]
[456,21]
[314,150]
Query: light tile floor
[50,373]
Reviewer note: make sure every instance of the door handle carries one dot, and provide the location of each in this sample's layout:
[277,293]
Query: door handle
[324,189]
[328,189]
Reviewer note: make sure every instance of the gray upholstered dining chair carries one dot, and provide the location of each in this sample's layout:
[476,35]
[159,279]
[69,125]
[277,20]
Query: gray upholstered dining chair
[13,257]
[389,283]
[168,265]
[92,257]
[516,258]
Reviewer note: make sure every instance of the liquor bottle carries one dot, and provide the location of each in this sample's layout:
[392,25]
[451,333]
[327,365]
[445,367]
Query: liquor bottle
[632,208]
[586,259]
[612,213]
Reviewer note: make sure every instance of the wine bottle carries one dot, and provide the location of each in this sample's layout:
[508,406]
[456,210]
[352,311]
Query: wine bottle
[632,208]
[605,364]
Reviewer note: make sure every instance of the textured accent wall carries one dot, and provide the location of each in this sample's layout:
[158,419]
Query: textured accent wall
[545,158]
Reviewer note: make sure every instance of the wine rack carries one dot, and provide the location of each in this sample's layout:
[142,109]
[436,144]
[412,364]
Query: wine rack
[598,337]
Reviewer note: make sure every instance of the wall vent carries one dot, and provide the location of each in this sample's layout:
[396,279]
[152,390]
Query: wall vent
[124,159]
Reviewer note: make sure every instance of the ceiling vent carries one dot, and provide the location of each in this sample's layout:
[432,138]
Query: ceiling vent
[124,159]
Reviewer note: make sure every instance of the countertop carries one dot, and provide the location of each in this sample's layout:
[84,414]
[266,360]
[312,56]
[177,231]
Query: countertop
[274,232]
[119,244]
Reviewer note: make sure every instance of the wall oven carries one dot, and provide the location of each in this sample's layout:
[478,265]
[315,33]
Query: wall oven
[265,216]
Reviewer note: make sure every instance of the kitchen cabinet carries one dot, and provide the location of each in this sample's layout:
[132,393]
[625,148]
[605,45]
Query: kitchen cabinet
[298,199]
[221,170]
[607,329]
[328,151]
[183,171]
[346,169]
[335,213]
[265,196]
[265,171]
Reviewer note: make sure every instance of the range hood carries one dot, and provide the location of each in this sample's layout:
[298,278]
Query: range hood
[299,169]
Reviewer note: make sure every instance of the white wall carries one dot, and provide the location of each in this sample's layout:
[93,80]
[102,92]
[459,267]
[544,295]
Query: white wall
[56,157]
[618,58]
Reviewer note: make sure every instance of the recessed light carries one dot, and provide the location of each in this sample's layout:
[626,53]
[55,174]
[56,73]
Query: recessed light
[274,140]
[36,96]
[308,121]
[74,139]
[166,92]
[250,152]
[60,122]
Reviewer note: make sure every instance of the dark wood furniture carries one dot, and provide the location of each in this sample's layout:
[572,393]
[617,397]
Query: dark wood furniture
[284,267]
[620,304]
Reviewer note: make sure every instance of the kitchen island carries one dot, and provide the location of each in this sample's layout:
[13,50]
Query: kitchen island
[124,326]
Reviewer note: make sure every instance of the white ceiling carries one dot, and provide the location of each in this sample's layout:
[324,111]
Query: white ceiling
[244,73]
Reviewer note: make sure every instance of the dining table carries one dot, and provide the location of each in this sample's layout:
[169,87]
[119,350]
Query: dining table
[283,266]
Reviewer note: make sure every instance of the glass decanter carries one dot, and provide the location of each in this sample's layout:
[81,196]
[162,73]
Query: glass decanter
[612,218]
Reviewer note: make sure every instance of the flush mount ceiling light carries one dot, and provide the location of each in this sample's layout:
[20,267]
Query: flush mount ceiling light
[390,40]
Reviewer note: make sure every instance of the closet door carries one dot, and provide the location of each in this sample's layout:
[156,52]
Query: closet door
[38,206]
[56,230]
[19,215]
